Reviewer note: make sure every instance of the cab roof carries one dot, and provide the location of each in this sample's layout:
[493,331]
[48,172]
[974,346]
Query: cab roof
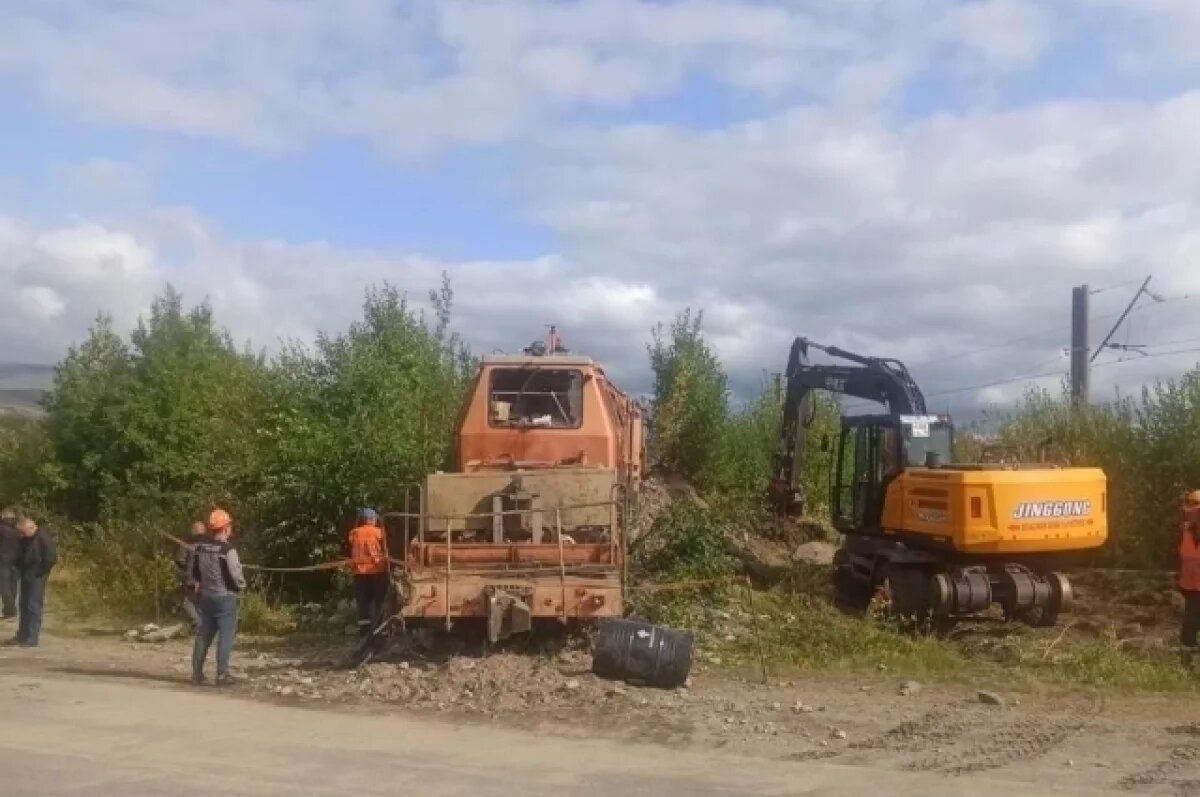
[544,361]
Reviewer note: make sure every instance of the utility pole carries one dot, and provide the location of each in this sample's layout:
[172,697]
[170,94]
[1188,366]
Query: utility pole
[1079,345]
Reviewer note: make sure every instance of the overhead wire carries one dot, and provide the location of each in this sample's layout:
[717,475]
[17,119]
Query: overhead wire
[1043,375]
[1154,355]
[1095,291]
[1036,373]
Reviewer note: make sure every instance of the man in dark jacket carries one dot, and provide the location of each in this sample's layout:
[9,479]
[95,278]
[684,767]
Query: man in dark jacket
[215,575]
[37,557]
[10,546]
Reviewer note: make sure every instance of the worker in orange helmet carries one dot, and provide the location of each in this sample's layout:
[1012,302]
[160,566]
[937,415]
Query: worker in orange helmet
[1189,576]
[214,573]
[370,566]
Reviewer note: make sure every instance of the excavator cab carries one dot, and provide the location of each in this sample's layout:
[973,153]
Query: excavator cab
[872,451]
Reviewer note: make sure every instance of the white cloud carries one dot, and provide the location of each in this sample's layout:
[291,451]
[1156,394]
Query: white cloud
[1005,33]
[59,279]
[924,242]
[419,78]
[39,303]
[1158,33]
[829,214]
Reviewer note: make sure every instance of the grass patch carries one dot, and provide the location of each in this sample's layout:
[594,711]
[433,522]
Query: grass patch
[258,615]
[806,632]
[802,630]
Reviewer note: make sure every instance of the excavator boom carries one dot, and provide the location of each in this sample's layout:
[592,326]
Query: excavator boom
[884,381]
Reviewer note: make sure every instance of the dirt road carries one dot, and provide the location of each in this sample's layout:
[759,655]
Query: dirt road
[69,735]
[88,712]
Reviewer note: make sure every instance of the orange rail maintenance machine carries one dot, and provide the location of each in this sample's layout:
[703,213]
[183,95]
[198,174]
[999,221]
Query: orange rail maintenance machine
[531,525]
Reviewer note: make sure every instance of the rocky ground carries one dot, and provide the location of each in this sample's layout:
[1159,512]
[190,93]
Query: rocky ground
[902,717]
[882,718]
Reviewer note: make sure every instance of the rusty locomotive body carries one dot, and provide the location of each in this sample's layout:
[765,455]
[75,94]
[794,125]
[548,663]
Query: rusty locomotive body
[532,523]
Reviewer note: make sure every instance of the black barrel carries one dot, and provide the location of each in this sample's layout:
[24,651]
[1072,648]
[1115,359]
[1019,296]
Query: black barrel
[626,650]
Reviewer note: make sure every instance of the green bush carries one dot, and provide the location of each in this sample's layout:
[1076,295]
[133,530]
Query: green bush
[692,546]
[117,570]
[728,452]
[691,403]
[1148,447]
[147,434]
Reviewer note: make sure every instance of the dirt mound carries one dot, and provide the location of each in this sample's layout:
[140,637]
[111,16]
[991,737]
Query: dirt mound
[519,689]
[1134,604]
[815,553]
[658,492]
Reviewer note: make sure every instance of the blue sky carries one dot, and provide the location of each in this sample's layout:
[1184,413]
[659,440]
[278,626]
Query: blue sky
[792,167]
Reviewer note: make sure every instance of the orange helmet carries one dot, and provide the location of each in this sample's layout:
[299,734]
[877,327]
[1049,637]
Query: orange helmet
[1192,500]
[219,520]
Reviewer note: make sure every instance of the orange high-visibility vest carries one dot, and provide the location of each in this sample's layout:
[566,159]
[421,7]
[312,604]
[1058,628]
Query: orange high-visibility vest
[366,551]
[1189,559]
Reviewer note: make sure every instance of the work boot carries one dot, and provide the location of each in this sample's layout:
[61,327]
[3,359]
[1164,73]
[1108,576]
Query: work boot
[225,680]
[198,679]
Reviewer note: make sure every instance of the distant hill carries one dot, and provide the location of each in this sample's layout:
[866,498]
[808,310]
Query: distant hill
[22,386]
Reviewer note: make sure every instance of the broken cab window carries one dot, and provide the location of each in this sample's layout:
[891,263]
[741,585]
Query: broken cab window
[551,398]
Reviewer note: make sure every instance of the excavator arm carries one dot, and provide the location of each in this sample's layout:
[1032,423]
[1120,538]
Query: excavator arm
[885,381]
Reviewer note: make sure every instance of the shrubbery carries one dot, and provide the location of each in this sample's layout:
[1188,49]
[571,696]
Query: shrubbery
[1148,446]
[726,449]
[146,433]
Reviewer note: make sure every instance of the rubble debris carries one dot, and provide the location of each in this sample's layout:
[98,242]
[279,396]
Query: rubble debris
[815,553]
[989,698]
[152,633]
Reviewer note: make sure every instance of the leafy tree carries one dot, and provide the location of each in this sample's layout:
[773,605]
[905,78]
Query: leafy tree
[691,400]
[186,419]
[744,458]
[357,418]
[23,447]
[84,420]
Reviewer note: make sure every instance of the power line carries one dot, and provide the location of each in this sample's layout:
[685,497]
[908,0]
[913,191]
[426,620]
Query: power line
[1171,343]
[998,383]
[1095,291]
[989,347]
[1029,377]
[1119,361]
[1045,374]
[1050,330]
[1124,315]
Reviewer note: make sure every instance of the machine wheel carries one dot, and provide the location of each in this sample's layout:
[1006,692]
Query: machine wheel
[904,594]
[1047,616]
[847,590]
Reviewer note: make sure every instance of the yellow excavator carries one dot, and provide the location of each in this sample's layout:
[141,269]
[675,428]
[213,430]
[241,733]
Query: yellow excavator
[935,538]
